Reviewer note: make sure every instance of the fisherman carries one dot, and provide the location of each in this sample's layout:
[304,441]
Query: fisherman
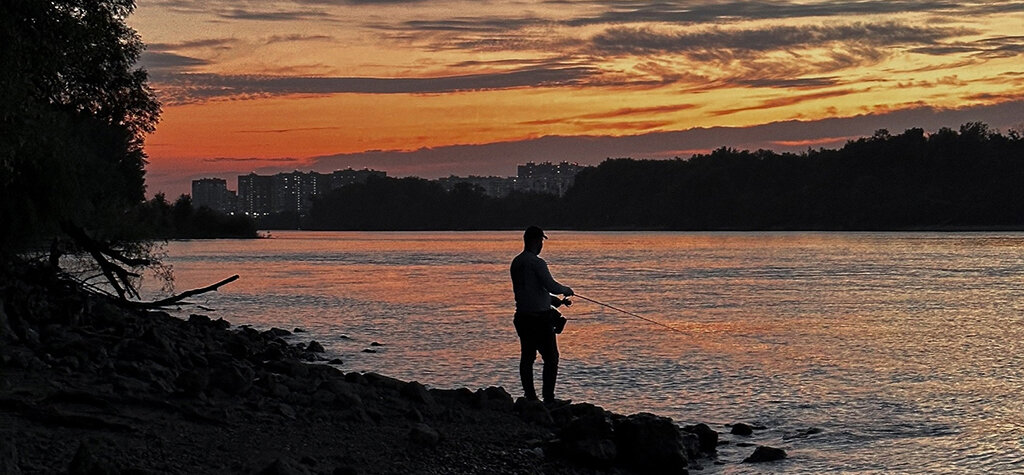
[535,318]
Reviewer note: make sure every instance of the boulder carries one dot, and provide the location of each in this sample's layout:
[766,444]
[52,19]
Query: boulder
[8,453]
[707,437]
[416,392]
[284,467]
[315,347]
[650,443]
[233,378]
[193,382]
[740,428]
[764,453]
[588,440]
[87,460]
[422,434]
[275,332]
[533,411]
[494,398]
[802,433]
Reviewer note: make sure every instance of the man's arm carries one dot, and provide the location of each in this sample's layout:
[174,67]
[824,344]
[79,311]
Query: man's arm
[549,282]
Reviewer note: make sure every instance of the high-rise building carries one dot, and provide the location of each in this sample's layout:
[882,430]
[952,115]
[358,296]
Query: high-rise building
[547,177]
[495,186]
[261,195]
[213,193]
[349,176]
[255,194]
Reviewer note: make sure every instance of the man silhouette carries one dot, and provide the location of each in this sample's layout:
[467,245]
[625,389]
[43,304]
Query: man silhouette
[534,288]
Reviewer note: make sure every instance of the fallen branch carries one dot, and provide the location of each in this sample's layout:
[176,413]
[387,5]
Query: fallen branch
[184,295]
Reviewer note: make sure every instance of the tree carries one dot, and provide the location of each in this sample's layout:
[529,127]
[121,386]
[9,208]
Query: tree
[74,111]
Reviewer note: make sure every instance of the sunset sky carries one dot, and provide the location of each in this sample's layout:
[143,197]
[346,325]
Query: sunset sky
[434,88]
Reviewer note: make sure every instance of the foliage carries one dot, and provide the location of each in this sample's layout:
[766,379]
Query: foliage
[416,204]
[74,111]
[963,178]
[160,219]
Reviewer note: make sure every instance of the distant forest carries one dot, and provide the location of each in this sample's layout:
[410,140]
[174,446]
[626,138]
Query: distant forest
[951,179]
[160,219]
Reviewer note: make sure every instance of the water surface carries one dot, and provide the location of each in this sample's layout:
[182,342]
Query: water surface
[904,348]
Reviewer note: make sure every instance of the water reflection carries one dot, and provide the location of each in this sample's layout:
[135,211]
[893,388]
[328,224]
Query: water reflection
[899,346]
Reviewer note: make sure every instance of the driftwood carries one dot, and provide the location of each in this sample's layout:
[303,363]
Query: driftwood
[175,299]
[116,268]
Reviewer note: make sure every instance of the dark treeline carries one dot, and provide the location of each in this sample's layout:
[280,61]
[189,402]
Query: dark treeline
[419,204]
[159,219]
[971,177]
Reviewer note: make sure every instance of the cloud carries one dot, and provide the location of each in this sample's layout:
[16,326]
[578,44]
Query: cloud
[502,158]
[785,101]
[187,88]
[274,160]
[987,48]
[724,44]
[158,61]
[625,12]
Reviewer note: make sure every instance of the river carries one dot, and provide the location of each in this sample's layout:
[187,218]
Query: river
[904,349]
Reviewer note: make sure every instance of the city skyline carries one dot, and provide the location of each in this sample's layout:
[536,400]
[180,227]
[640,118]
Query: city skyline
[262,195]
[433,88]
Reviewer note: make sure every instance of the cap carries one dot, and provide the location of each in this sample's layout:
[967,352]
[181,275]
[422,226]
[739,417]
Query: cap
[533,232]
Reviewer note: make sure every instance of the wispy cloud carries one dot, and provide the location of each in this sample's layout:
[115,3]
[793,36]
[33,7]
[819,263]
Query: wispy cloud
[724,44]
[275,160]
[186,88]
[785,101]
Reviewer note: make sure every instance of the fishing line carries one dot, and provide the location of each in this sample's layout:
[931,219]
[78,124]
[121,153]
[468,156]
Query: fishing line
[630,313]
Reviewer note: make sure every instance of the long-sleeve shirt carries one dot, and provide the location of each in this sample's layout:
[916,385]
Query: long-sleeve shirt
[532,283]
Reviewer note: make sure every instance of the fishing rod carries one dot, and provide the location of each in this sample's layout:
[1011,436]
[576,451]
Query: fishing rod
[630,313]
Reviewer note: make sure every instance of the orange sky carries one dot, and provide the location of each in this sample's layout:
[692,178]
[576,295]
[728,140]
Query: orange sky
[434,88]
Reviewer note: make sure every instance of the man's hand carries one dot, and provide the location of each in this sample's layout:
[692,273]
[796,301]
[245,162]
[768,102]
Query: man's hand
[568,292]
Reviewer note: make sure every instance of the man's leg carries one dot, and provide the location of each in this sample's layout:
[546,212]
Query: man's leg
[548,347]
[527,355]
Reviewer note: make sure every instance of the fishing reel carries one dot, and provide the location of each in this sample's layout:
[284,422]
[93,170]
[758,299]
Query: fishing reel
[557,302]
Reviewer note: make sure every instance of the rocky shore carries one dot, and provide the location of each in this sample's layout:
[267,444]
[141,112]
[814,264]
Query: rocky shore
[88,387]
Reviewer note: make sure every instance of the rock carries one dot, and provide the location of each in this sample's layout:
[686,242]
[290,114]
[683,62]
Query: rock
[588,440]
[193,382]
[284,467]
[385,382]
[8,452]
[416,392]
[494,399]
[6,332]
[424,435]
[764,453]
[88,462]
[233,378]
[275,333]
[650,443]
[691,443]
[323,396]
[598,453]
[336,361]
[707,436]
[199,320]
[299,330]
[315,347]
[369,350]
[802,433]
[740,428]
[376,344]
[533,411]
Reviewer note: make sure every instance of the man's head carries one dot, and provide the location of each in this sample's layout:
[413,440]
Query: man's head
[533,239]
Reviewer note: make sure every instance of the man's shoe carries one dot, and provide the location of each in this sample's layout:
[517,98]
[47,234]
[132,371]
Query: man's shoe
[553,403]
